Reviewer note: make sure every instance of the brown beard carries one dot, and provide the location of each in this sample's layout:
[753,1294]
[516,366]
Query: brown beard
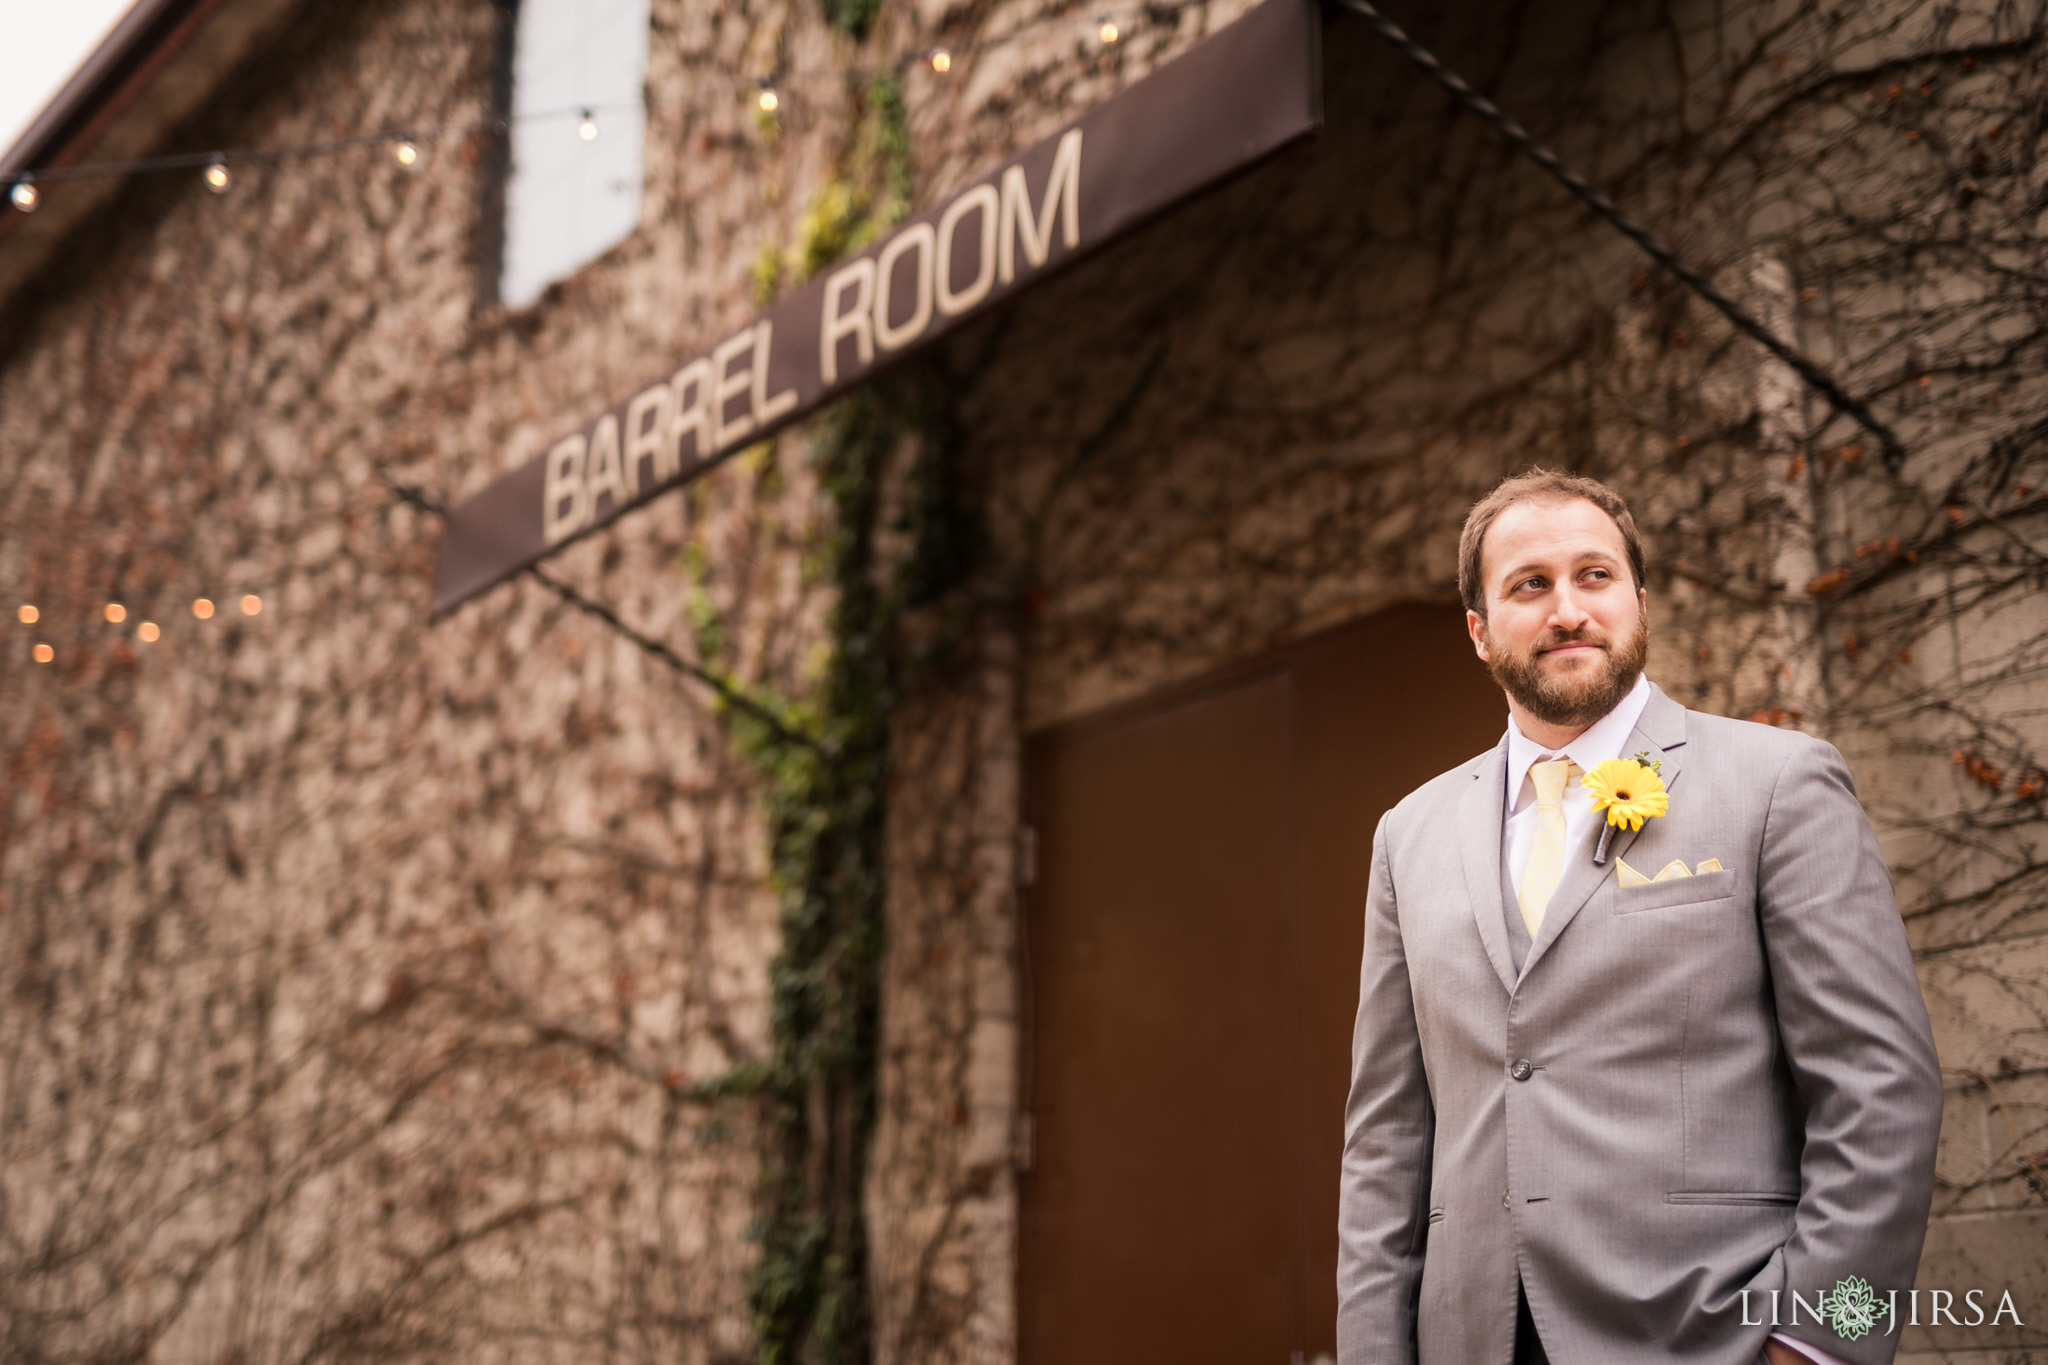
[1575,702]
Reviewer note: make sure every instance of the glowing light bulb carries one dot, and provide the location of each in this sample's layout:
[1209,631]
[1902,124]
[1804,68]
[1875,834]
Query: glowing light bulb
[406,153]
[203,608]
[27,615]
[942,61]
[768,100]
[147,632]
[251,604]
[1108,32]
[24,196]
[217,177]
[44,654]
[116,613]
[587,130]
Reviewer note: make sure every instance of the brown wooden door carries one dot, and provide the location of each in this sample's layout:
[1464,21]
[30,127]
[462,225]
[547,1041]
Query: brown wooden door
[1194,937]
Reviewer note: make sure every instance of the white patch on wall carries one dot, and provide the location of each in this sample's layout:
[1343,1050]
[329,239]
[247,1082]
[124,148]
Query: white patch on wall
[572,197]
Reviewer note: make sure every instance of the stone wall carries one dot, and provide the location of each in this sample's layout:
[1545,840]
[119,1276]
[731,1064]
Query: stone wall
[1267,414]
[359,966]
[356,964]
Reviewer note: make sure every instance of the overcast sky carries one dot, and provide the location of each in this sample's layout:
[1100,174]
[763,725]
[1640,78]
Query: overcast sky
[44,41]
[571,198]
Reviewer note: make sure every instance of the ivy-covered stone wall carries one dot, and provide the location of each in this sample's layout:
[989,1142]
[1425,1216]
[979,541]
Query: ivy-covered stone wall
[384,988]
[358,965]
[1268,413]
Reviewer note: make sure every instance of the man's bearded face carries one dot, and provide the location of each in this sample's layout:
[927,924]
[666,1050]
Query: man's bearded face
[1578,687]
[1565,633]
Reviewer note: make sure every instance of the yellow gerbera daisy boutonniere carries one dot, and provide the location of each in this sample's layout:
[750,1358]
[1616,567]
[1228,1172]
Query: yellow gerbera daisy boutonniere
[1629,792]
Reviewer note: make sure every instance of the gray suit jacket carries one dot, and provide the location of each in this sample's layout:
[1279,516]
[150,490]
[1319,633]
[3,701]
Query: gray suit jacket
[1731,1083]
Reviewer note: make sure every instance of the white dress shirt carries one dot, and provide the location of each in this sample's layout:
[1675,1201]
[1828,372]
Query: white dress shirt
[1604,739]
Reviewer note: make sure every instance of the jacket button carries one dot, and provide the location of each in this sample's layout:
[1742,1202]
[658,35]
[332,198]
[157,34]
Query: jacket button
[1504,1199]
[1521,1070]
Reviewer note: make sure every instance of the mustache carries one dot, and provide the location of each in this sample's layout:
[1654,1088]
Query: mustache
[1581,636]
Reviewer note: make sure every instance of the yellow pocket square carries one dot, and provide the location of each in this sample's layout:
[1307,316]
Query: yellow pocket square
[1628,876]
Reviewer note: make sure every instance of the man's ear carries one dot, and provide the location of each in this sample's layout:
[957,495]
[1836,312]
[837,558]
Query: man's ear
[1475,626]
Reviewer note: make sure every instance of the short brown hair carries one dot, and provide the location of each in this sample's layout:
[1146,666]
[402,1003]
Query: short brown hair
[1537,485]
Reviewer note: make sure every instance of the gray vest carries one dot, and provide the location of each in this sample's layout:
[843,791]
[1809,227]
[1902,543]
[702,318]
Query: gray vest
[1519,941]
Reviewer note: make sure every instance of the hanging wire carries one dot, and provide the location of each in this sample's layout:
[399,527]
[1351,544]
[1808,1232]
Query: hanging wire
[1490,113]
[727,693]
[23,185]
[399,138]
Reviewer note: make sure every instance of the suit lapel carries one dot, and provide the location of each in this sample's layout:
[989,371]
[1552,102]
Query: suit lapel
[1661,730]
[1481,813]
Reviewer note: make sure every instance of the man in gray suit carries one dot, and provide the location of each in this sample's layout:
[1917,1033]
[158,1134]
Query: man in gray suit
[1616,1102]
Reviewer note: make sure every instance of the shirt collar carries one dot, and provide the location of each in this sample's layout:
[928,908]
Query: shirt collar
[1602,740]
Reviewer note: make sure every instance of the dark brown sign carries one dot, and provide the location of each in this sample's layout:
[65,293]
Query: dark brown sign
[1228,101]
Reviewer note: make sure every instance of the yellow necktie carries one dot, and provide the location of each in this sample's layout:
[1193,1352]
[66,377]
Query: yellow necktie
[1546,856]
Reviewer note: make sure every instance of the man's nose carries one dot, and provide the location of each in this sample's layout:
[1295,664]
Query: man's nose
[1567,613]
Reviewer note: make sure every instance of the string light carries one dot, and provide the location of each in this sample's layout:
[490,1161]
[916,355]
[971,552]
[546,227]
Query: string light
[25,187]
[44,654]
[149,632]
[106,170]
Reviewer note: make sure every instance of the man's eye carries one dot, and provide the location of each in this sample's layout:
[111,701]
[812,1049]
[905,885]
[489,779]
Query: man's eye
[1528,583]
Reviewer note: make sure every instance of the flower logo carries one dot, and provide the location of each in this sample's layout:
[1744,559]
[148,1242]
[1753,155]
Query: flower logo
[1630,792]
[1852,1308]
